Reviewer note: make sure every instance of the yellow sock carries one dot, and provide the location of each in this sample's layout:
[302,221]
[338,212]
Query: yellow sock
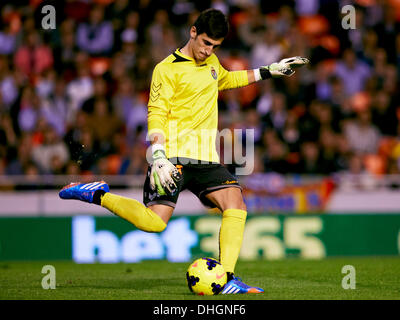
[230,237]
[133,211]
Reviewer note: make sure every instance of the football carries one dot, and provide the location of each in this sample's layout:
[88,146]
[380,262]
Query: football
[206,276]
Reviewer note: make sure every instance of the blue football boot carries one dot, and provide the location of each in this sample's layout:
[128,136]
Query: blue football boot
[83,191]
[236,286]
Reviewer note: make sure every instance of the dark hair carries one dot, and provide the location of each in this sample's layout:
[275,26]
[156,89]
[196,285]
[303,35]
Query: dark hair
[213,23]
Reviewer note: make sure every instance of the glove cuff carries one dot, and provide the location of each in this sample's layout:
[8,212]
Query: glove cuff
[264,73]
[158,151]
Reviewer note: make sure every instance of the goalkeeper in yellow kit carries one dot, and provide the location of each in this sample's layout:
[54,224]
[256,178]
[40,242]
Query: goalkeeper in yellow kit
[182,124]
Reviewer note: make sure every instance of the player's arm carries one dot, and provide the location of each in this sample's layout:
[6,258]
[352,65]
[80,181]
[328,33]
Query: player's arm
[163,173]
[236,79]
[285,67]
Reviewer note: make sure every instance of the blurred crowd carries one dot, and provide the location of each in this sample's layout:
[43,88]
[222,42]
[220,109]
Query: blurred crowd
[73,100]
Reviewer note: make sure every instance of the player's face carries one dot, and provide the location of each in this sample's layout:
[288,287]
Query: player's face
[203,46]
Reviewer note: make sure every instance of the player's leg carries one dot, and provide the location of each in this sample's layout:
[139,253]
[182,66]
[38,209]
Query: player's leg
[163,211]
[233,208]
[153,216]
[151,219]
[216,187]
[230,202]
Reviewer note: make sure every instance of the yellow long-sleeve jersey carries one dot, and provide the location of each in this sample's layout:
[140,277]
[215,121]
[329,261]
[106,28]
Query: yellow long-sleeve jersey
[183,104]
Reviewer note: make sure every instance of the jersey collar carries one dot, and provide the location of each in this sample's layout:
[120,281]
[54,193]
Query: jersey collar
[180,57]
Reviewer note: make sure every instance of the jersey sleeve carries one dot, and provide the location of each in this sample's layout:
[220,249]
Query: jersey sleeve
[161,94]
[231,79]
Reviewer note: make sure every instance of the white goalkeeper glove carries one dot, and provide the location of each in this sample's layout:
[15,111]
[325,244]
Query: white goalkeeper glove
[164,174]
[282,68]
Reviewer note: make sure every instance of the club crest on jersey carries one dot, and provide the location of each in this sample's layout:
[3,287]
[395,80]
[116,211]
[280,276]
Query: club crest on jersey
[214,73]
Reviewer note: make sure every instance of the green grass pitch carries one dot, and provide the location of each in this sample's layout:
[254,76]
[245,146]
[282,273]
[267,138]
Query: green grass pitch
[291,279]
